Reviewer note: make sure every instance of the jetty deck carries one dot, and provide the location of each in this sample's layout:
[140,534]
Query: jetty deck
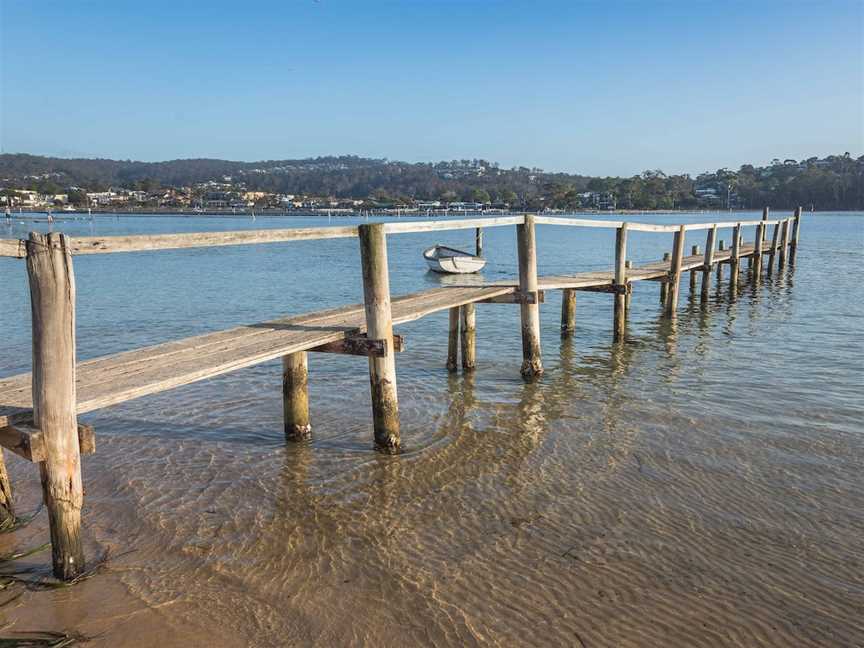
[38,411]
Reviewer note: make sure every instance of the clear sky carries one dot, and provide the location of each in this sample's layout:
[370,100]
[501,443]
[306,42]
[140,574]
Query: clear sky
[597,88]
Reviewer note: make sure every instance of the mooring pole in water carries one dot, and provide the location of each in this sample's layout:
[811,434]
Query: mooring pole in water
[708,262]
[295,396]
[664,285]
[619,319]
[784,244]
[568,312]
[675,272]
[478,241]
[757,252]
[775,239]
[379,326]
[796,229]
[52,301]
[529,309]
[468,337]
[694,251]
[765,212]
[453,339]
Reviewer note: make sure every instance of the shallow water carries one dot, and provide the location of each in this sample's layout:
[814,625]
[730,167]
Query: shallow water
[699,485]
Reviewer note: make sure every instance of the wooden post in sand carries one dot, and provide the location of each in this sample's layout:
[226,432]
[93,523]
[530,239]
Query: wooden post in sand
[52,300]
[453,340]
[469,337]
[735,261]
[568,312]
[664,285]
[675,272]
[694,251]
[295,396]
[709,260]
[619,321]
[796,229]
[526,244]
[379,326]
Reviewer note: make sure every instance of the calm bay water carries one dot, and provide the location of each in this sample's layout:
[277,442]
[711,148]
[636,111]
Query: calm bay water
[699,485]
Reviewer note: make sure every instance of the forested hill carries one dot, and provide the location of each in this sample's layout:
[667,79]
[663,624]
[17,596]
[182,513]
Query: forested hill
[835,182]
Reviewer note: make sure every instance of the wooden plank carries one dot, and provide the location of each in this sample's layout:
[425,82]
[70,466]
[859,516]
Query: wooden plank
[435,226]
[360,345]
[28,442]
[12,248]
[576,222]
[517,298]
[52,300]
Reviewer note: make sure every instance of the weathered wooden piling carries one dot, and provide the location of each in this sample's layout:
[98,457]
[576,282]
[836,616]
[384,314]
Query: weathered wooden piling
[628,296]
[526,246]
[478,241]
[735,260]
[721,247]
[664,285]
[765,212]
[709,260]
[695,252]
[568,312]
[7,508]
[453,339]
[295,396]
[775,239]
[784,243]
[619,324]
[379,325]
[468,323]
[757,251]
[52,300]
[796,229]
[675,271]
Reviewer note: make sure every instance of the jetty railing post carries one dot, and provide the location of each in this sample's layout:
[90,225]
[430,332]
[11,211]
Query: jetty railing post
[784,243]
[694,251]
[796,229]
[526,246]
[757,251]
[664,285]
[295,396]
[379,326]
[775,239]
[52,301]
[7,509]
[469,337]
[629,295]
[453,339]
[568,312]
[765,212]
[710,242]
[675,272]
[619,322]
[478,240]
[735,260]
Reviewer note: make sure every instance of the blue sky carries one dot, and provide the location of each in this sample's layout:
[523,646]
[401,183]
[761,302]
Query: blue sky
[597,88]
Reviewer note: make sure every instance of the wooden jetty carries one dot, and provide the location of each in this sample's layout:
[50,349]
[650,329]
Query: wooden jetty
[38,411]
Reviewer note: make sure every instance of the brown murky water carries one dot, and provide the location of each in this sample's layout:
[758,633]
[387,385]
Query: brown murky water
[700,485]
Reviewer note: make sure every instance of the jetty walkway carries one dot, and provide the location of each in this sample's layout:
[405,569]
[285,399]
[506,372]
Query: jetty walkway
[38,411]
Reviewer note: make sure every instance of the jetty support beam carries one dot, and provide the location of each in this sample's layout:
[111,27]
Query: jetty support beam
[468,336]
[694,251]
[735,260]
[295,396]
[453,340]
[784,243]
[710,242]
[796,230]
[619,321]
[757,251]
[664,284]
[568,312]
[772,253]
[675,272]
[379,326]
[526,246]
[52,299]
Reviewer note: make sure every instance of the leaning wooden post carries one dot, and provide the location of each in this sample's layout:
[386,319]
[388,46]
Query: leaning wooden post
[52,301]
[784,243]
[295,396]
[709,260]
[664,285]
[774,241]
[675,272]
[469,337]
[796,229]
[757,251]
[478,241]
[619,321]
[526,244]
[568,312]
[379,326]
[735,260]
[453,340]
[694,251]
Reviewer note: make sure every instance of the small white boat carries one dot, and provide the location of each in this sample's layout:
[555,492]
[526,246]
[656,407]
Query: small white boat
[452,261]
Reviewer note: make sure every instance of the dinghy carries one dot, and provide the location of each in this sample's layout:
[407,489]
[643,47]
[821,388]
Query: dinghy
[452,261]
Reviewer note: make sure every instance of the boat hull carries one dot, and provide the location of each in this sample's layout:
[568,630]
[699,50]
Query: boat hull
[452,263]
